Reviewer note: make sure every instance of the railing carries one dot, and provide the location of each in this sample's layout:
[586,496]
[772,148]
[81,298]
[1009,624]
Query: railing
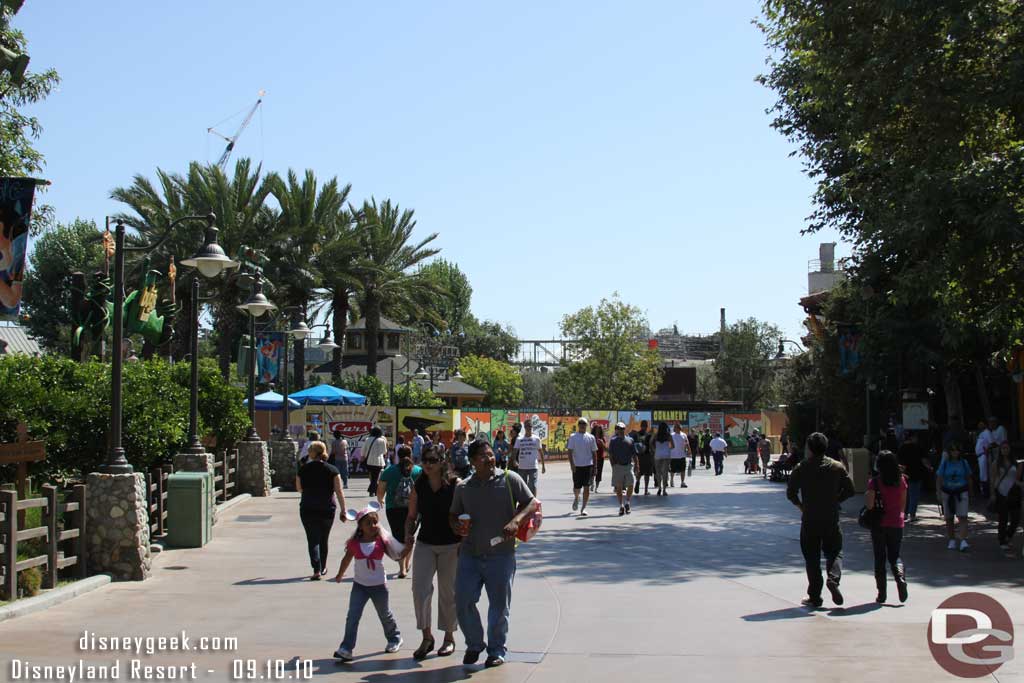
[225,475]
[54,559]
[156,494]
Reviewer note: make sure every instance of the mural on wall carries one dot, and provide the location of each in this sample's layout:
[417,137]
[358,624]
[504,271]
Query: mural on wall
[559,429]
[605,418]
[355,422]
[503,419]
[699,421]
[670,417]
[477,423]
[632,419]
[717,423]
[739,426]
[539,422]
[443,420]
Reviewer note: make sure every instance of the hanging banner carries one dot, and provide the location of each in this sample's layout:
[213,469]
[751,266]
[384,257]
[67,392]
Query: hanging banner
[269,354]
[16,196]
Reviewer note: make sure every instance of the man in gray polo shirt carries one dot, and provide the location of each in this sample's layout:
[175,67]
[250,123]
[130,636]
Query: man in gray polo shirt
[496,504]
[624,460]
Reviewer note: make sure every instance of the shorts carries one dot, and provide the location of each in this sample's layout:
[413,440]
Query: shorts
[954,504]
[622,477]
[646,465]
[581,476]
[677,465]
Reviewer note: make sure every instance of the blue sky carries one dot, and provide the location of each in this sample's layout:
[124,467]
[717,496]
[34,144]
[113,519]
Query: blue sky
[562,150]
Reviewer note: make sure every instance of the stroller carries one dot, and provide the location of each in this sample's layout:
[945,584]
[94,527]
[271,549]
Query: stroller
[778,470]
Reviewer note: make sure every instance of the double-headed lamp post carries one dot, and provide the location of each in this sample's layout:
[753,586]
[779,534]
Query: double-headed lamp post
[255,306]
[209,261]
[297,330]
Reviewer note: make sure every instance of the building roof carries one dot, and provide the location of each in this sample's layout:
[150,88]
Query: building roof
[672,345]
[453,388]
[385,326]
[15,339]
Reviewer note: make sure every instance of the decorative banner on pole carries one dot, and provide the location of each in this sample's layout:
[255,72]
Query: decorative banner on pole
[269,350]
[16,196]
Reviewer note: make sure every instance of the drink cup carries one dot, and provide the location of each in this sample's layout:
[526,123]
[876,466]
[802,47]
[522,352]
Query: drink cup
[465,524]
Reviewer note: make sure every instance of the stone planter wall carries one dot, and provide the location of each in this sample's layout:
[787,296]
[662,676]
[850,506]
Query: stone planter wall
[283,463]
[118,526]
[253,468]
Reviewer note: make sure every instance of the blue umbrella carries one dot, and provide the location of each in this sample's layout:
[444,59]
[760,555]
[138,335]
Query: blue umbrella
[326,395]
[271,400]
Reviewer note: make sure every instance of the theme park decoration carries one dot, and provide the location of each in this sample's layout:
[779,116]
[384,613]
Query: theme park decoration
[15,212]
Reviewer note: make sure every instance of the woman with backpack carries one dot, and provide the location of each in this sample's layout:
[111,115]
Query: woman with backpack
[394,492]
[953,479]
[436,549]
[1006,494]
[376,457]
[888,492]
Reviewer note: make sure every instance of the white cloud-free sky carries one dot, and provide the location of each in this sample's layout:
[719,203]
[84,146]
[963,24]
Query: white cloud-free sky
[563,150]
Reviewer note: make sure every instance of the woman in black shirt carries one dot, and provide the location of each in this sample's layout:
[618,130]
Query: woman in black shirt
[319,483]
[436,551]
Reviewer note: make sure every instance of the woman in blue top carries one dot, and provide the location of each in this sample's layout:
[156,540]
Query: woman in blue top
[500,448]
[953,481]
[394,490]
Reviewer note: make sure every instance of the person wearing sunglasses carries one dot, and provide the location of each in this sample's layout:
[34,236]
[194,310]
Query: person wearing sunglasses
[435,550]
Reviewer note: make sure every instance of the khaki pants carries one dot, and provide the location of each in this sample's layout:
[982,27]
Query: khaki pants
[428,560]
[661,473]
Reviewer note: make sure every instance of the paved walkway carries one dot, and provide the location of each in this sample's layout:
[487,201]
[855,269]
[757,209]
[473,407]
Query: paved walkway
[702,585]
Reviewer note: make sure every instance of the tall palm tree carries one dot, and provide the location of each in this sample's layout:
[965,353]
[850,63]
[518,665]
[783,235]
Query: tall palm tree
[339,263]
[310,215]
[239,203]
[385,232]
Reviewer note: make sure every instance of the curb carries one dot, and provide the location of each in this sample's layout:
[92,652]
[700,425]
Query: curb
[227,505]
[53,597]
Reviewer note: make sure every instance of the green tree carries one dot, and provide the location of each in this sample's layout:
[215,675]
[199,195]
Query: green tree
[386,279]
[745,370]
[501,381]
[540,391]
[339,262]
[908,118]
[18,130]
[610,365]
[57,253]
[489,339]
[449,310]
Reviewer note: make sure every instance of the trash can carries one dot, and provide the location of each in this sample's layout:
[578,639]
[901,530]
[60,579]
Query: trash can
[860,467]
[189,518]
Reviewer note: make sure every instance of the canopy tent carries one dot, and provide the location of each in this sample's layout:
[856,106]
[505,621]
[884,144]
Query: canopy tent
[271,400]
[326,395]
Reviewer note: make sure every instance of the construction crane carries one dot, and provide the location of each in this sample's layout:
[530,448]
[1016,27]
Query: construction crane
[234,138]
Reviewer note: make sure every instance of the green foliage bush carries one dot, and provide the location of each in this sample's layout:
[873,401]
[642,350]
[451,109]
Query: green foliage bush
[67,405]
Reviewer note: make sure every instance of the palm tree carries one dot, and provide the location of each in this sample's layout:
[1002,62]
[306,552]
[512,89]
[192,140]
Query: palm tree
[242,217]
[308,219]
[385,279]
[339,263]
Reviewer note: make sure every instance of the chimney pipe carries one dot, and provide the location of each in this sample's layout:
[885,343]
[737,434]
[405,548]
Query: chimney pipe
[721,336]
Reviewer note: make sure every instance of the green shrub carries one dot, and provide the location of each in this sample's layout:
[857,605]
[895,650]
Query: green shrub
[67,405]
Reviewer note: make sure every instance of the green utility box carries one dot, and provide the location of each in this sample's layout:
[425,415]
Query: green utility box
[189,517]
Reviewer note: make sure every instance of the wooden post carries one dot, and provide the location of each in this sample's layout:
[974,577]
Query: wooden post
[9,501]
[52,536]
[79,521]
[158,479]
[21,453]
[225,473]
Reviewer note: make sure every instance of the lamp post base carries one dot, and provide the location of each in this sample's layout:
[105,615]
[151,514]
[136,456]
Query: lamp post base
[253,469]
[283,463]
[117,524]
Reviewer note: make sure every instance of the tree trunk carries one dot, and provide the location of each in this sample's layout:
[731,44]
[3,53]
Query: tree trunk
[340,308]
[225,326]
[979,378]
[954,400]
[372,313]
[297,382]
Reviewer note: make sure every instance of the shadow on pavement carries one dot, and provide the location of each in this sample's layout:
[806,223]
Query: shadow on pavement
[369,669]
[779,614]
[865,608]
[270,582]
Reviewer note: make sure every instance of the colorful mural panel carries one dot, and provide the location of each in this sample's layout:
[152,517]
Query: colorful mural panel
[699,421]
[739,426]
[605,418]
[355,422]
[539,422]
[477,423]
[503,420]
[717,423]
[670,417]
[632,419]
[433,420]
[559,429]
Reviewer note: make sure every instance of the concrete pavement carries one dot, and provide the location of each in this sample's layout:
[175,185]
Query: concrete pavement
[704,584]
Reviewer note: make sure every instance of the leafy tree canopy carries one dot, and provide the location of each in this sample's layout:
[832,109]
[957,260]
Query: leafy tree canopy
[501,381]
[744,370]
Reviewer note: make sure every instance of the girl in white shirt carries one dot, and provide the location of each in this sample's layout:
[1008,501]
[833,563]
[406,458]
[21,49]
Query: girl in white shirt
[367,548]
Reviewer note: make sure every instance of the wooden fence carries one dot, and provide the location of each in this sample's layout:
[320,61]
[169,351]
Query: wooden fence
[225,475]
[156,491]
[54,559]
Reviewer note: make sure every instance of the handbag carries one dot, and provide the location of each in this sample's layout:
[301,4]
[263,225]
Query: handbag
[872,518]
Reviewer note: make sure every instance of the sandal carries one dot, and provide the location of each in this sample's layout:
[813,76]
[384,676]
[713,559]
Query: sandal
[447,647]
[425,648]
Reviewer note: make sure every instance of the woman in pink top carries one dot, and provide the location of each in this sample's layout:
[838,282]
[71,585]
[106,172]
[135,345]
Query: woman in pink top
[889,490]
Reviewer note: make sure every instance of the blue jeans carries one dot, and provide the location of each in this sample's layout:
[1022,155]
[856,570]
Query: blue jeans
[357,601]
[719,463]
[495,573]
[913,496]
[530,477]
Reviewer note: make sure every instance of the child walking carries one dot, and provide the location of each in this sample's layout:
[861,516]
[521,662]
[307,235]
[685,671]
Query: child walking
[367,548]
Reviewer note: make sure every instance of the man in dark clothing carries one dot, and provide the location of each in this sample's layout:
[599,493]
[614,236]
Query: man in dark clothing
[917,468]
[817,486]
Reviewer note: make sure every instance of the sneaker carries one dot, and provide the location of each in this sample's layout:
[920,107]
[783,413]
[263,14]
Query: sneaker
[343,654]
[471,657]
[963,546]
[575,505]
[584,513]
[881,597]
[394,646]
[901,588]
[833,589]
[951,545]
[627,508]
[622,510]
[811,602]
[684,485]
[494,661]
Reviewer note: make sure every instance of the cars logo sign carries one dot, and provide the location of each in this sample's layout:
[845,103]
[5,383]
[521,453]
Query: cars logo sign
[350,429]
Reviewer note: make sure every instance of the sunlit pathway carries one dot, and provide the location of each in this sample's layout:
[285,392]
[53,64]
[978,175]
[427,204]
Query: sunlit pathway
[702,585]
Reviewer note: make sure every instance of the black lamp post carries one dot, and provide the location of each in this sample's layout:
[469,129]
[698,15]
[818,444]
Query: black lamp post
[206,262]
[782,351]
[255,306]
[299,330]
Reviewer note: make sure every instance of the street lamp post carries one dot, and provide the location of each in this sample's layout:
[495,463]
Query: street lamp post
[299,330]
[255,306]
[208,264]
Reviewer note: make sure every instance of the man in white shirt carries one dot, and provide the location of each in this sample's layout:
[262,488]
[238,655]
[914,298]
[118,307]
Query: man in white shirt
[991,438]
[525,452]
[582,447]
[719,446]
[680,451]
